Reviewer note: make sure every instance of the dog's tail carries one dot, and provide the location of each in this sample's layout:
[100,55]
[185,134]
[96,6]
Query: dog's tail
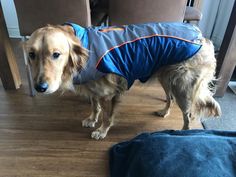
[204,105]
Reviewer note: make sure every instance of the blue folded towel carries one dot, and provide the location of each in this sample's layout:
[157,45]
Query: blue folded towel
[191,153]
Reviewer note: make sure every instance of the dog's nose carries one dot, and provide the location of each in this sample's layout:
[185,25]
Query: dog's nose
[41,87]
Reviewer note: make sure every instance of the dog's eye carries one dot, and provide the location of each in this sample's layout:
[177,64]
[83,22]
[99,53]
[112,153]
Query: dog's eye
[56,55]
[32,55]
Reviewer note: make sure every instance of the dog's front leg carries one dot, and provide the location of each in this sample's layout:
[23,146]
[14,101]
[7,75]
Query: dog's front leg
[107,106]
[96,110]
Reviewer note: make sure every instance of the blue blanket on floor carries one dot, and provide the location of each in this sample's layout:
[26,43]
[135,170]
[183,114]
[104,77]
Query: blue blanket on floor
[192,153]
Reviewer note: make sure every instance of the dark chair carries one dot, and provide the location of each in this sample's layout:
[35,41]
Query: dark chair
[192,14]
[140,11]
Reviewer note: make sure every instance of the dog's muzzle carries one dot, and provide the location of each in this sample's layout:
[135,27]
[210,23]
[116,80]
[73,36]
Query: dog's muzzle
[41,87]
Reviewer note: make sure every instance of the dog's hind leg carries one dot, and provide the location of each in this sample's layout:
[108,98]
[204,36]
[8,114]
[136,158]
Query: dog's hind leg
[186,118]
[185,106]
[166,111]
[165,85]
[96,110]
[183,99]
[108,109]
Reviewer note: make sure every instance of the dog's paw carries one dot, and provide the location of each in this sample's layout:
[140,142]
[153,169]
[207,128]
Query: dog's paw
[162,113]
[98,134]
[89,123]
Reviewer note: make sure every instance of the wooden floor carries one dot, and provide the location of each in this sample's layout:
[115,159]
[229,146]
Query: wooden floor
[43,137]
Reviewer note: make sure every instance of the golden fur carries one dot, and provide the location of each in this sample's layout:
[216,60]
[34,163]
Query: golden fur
[186,83]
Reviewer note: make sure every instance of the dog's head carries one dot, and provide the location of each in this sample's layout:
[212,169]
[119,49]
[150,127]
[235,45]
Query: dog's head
[54,54]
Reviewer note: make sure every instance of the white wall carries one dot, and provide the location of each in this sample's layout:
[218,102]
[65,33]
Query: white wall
[10,18]
[213,24]
[222,20]
[209,10]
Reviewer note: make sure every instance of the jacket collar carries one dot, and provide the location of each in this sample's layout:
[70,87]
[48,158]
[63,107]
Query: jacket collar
[80,33]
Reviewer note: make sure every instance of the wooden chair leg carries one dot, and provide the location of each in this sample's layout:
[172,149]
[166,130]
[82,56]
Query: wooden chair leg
[28,71]
[9,72]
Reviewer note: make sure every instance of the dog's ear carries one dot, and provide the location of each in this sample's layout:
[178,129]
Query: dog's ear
[78,54]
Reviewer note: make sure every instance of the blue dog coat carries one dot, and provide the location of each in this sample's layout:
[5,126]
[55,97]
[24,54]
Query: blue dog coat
[135,51]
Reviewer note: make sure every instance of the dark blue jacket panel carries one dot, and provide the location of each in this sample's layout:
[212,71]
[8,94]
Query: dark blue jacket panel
[140,59]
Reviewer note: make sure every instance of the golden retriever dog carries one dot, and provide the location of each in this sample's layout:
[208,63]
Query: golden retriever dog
[57,56]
